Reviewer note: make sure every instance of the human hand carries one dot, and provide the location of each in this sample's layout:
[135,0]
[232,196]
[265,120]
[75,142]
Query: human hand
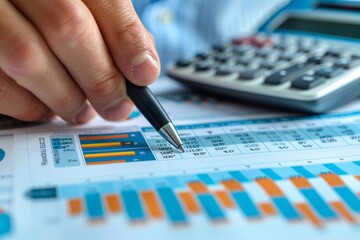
[70,57]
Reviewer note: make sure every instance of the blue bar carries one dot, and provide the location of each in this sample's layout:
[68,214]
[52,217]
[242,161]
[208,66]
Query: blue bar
[335,169]
[304,172]
[172,205]
[286,208]
[349,197]
[93,204]
[211,207]
[174,182]
[350,168]
[238,176]
[271,174]
[205,178]
[318,203]
[5,224]
[246,204]
[132,205]
[357,163]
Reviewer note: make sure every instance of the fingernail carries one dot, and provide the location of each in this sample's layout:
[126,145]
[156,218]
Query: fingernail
[119,110]
[85,114]
[145,68]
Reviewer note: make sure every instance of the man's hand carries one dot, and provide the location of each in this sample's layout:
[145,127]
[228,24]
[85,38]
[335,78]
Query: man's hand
[70,57]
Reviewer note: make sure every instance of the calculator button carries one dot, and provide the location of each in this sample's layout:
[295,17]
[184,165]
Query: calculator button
[224,70]
[251,74]
[269,64]
[245,61]
[316,59]
[242,49]
[328,72]
[307,82]
[220,48]
[355,56]
[223,57]
[305,48]
[288,56]
[259,42]
[287,74]
[182,63]
[203,66]
[262,42]
[283,46]
[241,41]
[346,63]
[264,52]
[334,52]
[202,56]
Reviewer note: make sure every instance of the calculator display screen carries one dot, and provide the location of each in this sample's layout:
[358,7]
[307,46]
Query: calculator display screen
[322,26]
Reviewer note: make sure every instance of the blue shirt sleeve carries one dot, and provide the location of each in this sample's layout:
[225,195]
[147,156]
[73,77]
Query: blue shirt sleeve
[182,28]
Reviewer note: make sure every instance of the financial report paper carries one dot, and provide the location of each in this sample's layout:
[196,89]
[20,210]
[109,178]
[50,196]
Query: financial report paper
[247,172]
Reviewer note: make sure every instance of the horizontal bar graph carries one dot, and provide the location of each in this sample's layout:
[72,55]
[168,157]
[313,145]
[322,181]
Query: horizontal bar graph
[114,148]
[252,194]
[5,223]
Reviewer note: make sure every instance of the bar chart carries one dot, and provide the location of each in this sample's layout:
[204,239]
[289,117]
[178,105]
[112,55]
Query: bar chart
[99,148]
[114,148]
[5,223]
[316,194]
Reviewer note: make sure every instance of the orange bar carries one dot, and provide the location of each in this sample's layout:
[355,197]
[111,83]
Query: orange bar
[75,206]
[232,185]
[270,187]
[267,209]
[301,182]
[189,201]
[84,138]
[224,199]
[152,204]
[309,214]
[357,177]
[342,210]
[333,179]
[106,162]
[113,203]
[198,187]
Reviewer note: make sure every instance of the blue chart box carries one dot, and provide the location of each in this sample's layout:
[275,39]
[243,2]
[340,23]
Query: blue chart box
[64,151]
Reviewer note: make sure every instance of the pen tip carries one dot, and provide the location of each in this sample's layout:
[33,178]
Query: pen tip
[181,148]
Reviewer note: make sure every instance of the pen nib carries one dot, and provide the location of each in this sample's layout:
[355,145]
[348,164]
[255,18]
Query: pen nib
[181,148]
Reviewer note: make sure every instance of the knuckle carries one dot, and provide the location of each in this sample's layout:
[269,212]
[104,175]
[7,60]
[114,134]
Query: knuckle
[105,86]
[23,57]
[68,21]
[132,32]
[66,100]
[35,112]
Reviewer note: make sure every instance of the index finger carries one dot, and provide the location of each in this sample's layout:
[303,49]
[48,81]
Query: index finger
[129,43]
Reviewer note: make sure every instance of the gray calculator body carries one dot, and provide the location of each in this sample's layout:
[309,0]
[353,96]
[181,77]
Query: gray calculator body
[306,60]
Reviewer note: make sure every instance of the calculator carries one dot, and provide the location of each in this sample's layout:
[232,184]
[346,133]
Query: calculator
[301,60]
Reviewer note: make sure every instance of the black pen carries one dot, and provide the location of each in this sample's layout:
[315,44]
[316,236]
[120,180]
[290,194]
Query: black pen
[152,110]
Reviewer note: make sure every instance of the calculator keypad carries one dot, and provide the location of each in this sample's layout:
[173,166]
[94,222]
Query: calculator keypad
[272,62]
